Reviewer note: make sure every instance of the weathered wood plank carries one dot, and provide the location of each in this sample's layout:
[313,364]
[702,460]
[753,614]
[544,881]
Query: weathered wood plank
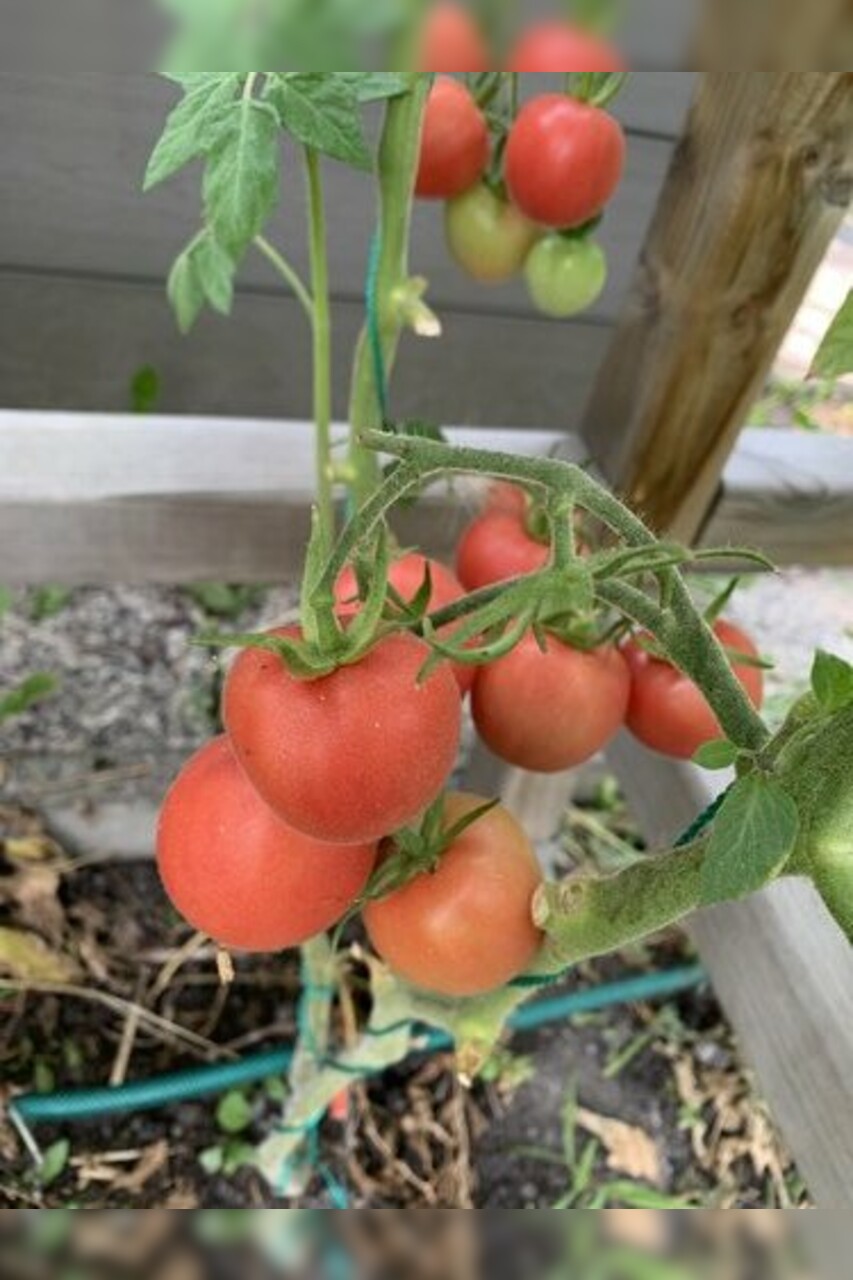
[775,36]
[784,973]
[788,492]
[100,498]
[76,343]
[75,150]
[759,185]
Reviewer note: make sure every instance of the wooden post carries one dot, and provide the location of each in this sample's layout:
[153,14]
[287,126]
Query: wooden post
[758,187]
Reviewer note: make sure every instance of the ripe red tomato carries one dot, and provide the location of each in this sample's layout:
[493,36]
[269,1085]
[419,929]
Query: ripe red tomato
[234,870]
[554,710]
[452,41]
[487,235]
[354,755]
[407,576]
[455,143]
[565,275]
[668,713]
[559,46]
[466,929]
[497,546]
[564,160]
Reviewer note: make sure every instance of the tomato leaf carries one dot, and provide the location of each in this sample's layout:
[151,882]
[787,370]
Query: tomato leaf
[191,128]
[834,357]
[204,273]
[31,691]
[832,681]
[375,86]
[321,111]
[721,754]
[234,1113]
[55,1162]
[752,838]
[242,176]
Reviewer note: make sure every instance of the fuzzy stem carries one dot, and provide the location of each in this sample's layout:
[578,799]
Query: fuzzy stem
[398,161]
[682,631]
[322,332]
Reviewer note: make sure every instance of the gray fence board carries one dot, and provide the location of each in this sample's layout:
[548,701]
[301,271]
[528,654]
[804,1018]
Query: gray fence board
[106,499]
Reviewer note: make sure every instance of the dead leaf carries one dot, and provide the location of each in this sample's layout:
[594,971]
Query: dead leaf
[630,1150]
[33,894]
[154,1158]
[646,1229]
[26,957]
[31,848]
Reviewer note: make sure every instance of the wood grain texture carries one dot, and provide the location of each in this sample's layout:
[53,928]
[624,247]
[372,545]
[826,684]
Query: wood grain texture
[784,973]
[113,498]
[775,35]
[758,187]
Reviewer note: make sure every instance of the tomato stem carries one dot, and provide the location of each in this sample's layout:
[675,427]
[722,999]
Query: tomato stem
[288,273]
[322,334]
[399,151]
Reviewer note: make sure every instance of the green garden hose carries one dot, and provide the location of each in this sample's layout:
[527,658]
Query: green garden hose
[66,1106]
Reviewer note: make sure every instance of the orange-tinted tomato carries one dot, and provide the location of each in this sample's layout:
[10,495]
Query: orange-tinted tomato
[564,160]
[668,713]
[455,143]
[236,872]
[559,46]
[496,546]
[452,41]
[554,710]
[354,755]
[468,928]
[407,577]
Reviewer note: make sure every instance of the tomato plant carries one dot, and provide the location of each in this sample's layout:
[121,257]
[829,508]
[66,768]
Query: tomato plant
[451,40]
[667,711]
[465,928]
[352,755]
[560,46]
[564,160]
[565,274]
[454,144]
[551,710]
[237,873]
[344,729]
[407,576]
[488,237]
[497,546]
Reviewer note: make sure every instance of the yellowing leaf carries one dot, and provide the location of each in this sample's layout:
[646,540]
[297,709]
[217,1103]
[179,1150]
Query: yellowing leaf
[27,958]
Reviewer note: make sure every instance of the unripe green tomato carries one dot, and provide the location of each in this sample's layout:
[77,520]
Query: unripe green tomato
[565,274]
[489,238]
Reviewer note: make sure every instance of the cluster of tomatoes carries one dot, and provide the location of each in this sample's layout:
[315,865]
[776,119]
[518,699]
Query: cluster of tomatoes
[531,201]
[277,830]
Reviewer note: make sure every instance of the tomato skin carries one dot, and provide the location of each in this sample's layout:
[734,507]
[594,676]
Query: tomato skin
[352,756]
[496,546]
[551,711]
[467,929]
[452,41]
[235,871]
[565,276]
[487,236]
[559,46]
[455,142]
[406,575]
[564,160]
[668,713]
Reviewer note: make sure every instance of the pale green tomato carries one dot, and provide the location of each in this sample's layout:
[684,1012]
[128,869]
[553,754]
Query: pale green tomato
[488,236]
[565,275]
